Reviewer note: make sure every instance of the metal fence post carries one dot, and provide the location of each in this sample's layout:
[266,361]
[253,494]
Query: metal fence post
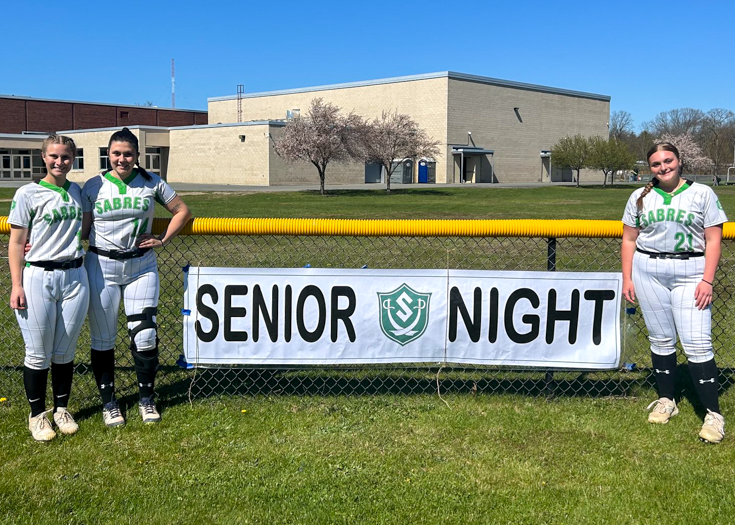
[551,267]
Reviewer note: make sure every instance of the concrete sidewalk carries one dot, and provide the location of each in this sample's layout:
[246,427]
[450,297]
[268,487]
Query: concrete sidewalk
[235,188]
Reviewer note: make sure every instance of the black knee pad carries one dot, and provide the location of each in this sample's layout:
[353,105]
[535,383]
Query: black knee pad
[145,322]
[146,362]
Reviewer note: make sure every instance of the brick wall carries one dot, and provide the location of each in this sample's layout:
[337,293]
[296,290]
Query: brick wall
[48,116]
[88,116]
[19,115]
[13,116]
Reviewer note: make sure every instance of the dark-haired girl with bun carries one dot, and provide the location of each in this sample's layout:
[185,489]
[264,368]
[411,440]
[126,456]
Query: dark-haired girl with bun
[118,210]
[671,247]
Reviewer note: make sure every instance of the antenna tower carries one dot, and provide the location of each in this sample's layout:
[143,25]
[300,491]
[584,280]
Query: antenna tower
[240,92]
[173,85]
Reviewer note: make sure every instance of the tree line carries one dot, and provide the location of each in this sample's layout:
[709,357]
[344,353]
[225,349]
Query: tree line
[706,142]
[713,132]
[325,135]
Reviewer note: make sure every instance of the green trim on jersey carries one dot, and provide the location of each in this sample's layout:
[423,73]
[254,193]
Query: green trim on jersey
[668,196]
[61,190]
[122,185]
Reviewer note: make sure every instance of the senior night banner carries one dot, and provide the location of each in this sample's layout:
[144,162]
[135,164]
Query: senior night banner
[256,316]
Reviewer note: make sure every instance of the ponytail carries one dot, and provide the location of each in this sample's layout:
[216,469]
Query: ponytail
[646,190]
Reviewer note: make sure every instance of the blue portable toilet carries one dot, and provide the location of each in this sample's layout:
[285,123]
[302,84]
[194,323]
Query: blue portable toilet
[423,172]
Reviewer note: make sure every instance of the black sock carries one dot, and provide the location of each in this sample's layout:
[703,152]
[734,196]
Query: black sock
[103,366]
[61,378]
[664,368]
[704,376]
[145,370]
[34,382]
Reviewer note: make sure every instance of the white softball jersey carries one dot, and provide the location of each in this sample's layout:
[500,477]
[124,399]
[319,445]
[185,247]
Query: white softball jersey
[671,223]
[56,300]
[665,288]
[53,216]
[122,209]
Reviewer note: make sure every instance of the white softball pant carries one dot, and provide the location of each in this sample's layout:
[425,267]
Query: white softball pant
[56,306]
[136,281]
[665,291]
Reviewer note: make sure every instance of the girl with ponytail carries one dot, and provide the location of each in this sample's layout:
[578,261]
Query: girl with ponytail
[670,251]
[118,210]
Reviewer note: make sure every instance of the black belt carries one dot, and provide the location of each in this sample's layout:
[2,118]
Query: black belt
[119,255]
[57,265]
[665,255]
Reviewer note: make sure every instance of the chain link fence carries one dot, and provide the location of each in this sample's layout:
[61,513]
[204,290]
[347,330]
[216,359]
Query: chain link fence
[293,251]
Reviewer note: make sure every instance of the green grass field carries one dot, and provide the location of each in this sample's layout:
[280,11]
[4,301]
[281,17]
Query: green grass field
[389,457]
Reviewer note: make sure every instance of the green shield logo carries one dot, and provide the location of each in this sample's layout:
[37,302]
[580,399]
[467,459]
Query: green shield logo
[404,314]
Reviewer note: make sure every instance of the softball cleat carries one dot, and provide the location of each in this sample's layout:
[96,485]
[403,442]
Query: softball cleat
[148,412]
[40,427]
[713,430]
[663,410]
[65,422]
[111,415]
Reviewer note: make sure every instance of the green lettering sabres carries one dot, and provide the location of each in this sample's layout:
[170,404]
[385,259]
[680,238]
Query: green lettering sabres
[666,215]
[126,203]
[63,213]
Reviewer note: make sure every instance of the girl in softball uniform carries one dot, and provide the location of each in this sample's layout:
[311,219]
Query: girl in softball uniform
[50,291]
[671,248]
[118,210]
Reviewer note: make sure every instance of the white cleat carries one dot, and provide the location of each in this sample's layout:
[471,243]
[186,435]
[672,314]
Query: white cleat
[40,427]
[663,410]
[111,415]
[148,412]
[713,430]
[65,422]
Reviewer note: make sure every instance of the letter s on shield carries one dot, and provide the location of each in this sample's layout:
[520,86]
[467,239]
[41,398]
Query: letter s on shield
[404,314]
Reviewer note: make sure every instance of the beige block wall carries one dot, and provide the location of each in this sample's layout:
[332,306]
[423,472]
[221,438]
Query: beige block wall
[487,111]
[284,173]
[216,155]
[425,100]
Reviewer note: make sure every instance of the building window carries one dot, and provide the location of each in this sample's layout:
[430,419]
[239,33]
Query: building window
[79,160]
[292,114]
[153,160]
[104,159]
[124,114]
[16,163]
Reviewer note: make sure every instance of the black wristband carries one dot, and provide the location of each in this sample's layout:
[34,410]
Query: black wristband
[707,282]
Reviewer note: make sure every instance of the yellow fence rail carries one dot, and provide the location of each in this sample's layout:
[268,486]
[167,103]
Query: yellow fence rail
[401,228]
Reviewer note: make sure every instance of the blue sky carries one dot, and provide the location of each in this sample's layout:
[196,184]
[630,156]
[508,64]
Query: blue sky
[647,58]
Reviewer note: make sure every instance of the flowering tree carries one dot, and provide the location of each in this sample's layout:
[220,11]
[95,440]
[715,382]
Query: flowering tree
[692,158]
[393,137]
[321,137]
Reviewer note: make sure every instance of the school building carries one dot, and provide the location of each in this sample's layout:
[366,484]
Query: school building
[489,130]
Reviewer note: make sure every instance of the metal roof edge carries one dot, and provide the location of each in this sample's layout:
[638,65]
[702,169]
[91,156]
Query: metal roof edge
[114,128]
[426,76]
[329,87]
[529,87]
[24,136]
[232,125]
